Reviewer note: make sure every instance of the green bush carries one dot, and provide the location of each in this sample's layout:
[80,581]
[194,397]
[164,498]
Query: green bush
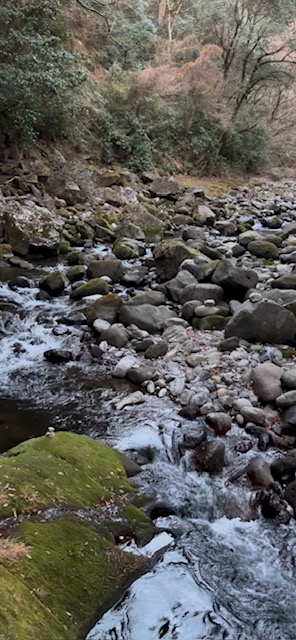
[38,77]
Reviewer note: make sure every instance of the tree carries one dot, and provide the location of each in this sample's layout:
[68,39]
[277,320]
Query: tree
[125,31]
[258,49]
[38,77]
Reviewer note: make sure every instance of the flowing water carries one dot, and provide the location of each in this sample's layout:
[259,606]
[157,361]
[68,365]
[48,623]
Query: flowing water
[227,572]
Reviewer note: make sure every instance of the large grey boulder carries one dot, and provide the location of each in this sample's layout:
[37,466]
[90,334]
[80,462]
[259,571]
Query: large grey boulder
[105,308]
[202,292]
[165,188]
[146,316]
[266,380]
[263,249]
[29,228]
[168,256]
[113,268]
[264,321]
[177,285]
[234,280]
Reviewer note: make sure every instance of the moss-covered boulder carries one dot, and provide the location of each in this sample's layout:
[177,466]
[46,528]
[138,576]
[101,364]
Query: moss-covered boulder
[31,229]
[148,221]
[54,283]
[91,288]
[263,249]
[70,500]
[127,249]
[168,256]
[105,308]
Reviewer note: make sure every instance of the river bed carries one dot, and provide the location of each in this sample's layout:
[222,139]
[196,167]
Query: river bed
[229,573]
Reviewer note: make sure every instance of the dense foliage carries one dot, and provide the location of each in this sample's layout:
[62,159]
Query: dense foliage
[182,84]
[37,75]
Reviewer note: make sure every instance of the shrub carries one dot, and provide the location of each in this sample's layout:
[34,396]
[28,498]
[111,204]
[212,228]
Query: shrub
[38,77]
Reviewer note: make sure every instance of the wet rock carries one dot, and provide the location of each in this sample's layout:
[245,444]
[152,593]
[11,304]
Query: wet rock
[168,256]
[58,356]
[127,249]
[289,421]
[116,336]
[220,422]
[202,292]
[288,378]
[253,414]
[243,446]
[263,249]
[192,437]
[91,288]
[155,298]
[133,398]
[234,280]
[135,277]
[123,366]
[190,412]
[258,472]
[290,495]
[264,321]
[101,325]
[283,469]
[156,350]
[54,283]
[273,506]
[140,374]
[105,308]
[76,273]
[176,387]
[145,316]
[20,282]
[16,261]
[266,379]
[286,399]
[209,456]
[112,268]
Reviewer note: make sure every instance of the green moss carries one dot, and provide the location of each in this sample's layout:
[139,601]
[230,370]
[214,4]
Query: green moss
[140,523]
[72,572]
[22,615]
[288,353]
[212,323]
[67,471]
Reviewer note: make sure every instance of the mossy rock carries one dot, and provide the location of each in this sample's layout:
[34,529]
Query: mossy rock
[127,249]
[168,256]
[91,288]
[72,574]
[263,249]
[67,471]
[212,323]
[105,308]
[72,570]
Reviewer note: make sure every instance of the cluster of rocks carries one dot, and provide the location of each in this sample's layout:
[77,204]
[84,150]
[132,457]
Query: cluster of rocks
[175,272]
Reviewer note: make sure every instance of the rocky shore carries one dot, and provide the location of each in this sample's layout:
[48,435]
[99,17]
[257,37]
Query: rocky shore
[189,300]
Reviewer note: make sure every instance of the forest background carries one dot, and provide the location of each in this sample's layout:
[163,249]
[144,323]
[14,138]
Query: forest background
[196,86]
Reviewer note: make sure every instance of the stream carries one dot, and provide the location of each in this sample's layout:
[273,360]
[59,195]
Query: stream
[228,573]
